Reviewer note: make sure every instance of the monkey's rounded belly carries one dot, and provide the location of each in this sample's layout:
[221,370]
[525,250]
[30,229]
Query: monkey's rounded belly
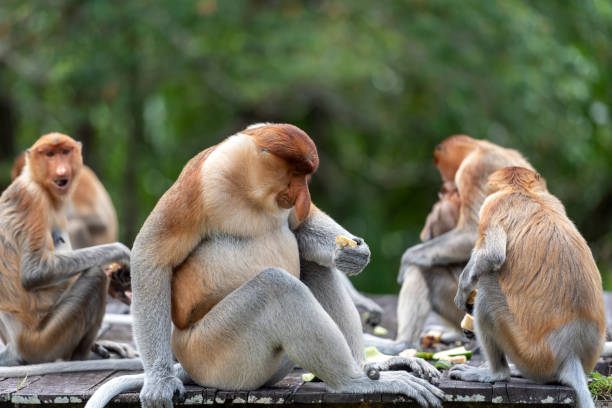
[223,263]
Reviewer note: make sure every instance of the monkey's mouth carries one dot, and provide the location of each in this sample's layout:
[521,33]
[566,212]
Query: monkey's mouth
[62,183]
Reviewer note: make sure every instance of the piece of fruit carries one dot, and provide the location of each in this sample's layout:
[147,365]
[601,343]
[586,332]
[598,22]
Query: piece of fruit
[468,322]
[431,338]
[457,351]
[411,352]
[472,297]
[380,331]
[343,241]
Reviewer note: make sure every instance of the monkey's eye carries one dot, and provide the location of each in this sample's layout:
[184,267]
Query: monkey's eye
[49,153]
[265,150]
[65,151]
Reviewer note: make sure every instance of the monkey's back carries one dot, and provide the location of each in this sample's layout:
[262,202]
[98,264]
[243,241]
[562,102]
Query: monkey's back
[473,174]
[549,278]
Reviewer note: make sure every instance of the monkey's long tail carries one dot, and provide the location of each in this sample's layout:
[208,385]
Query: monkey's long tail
[125,383]
[71,366]
[114,387]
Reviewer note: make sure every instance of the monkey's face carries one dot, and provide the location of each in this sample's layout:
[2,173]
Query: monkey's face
[288,157]
[55,162]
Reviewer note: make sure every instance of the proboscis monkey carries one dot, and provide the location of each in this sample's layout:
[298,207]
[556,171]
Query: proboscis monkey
[92,219]
[233,273]
[540,300]
[468,163]
[427,288]
[52,297]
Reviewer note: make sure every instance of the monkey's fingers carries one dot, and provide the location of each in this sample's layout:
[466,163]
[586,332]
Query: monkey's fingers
[417,366]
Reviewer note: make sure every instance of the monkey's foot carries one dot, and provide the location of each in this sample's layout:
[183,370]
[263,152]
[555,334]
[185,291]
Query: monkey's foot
[416,366]
[398,382]
[466,372]
[104,348]
[158,393]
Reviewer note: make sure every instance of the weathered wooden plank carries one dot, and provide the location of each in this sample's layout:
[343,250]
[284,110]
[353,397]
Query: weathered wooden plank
[309,393]
[234,397]
[522,391]
[500,393]
[10,385]
[279,393]
[462,391]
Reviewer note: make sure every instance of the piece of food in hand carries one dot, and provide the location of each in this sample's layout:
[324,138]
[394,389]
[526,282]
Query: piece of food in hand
[472,297]
[380,331]
[343,241]
[467,323]
[431,338]
[411,352]
[454,359]
[120,286]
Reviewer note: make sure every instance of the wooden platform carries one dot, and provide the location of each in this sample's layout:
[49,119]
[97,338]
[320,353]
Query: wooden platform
[72,390]
[76,388]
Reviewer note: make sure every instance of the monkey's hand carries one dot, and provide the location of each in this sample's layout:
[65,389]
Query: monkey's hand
[463,297]
[158,392]
[352,260]
[417,366]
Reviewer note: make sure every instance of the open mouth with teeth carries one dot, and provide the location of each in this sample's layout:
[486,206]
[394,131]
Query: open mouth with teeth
[62,183]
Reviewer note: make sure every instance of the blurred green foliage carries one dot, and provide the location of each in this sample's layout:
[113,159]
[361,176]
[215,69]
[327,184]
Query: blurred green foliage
[148,84]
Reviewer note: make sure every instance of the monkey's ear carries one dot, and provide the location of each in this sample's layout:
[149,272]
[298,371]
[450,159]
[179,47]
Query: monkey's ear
[537,176]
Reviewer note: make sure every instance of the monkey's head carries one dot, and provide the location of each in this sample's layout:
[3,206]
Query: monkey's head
[516,178]
[54,162]
[286,159]
[449,154]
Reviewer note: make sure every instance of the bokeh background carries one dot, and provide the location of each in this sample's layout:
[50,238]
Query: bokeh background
[145,85]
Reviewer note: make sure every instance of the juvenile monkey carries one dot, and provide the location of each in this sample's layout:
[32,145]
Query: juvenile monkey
[468,163]
[92,219]
[539,299]
[426,288]
[239,262]
[52,297]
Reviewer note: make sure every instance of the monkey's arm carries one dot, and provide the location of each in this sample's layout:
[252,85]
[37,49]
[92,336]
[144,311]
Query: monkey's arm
[488,256]
[316,237]
[43,268]
[449,248]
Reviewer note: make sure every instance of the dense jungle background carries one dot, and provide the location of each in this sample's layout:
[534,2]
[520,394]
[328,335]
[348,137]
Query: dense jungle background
[145,85]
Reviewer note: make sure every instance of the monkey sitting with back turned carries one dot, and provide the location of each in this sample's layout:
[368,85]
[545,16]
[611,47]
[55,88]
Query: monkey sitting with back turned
[540,300]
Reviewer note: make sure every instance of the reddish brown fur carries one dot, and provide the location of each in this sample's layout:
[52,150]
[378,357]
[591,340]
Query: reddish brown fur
[549,277]
[468,163]
[28,208]
[288,142]
[89,202]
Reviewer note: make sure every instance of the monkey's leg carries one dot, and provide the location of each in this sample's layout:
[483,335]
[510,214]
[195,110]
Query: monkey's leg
[442,285]
[327,287]
[498,369]
[241,342]
[68,331]
[361,302]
